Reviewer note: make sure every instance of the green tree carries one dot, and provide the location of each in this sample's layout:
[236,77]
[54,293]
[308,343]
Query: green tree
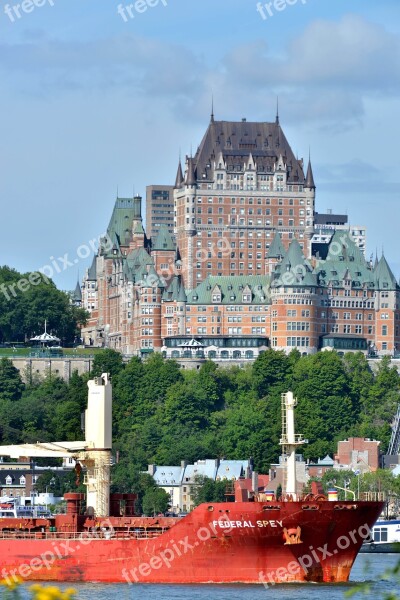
[11,384]
[155,501]
[107,361]
[206,489]
[272,369]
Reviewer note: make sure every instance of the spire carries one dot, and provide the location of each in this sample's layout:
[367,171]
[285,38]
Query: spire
[277,111]
[190,178]
[179,176]
[212,108]
[310,177]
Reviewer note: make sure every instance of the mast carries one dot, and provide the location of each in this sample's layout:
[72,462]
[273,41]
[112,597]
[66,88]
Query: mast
[289,442]
[98,436]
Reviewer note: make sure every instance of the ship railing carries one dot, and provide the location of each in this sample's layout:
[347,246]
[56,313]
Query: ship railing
[137,534]
[373,496]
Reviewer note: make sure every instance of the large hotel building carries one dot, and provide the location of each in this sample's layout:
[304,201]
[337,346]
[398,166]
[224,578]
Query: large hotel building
[248,264]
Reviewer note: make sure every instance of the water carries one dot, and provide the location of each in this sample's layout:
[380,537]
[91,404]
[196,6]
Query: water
[366,569]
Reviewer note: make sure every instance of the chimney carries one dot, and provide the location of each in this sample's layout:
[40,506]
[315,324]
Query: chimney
[254,482]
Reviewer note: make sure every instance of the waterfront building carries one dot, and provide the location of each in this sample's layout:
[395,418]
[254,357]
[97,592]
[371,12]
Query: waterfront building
[241,273]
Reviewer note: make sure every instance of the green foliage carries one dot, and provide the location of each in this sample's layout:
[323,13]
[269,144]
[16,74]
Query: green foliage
[107,361]
[11,385]
[163,414]
[208,490]
[28,300]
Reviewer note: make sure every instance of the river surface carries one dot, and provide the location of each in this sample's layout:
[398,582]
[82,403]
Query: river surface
[366,569]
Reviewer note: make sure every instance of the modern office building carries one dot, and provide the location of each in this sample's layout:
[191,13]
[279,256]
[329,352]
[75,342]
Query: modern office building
[159,209]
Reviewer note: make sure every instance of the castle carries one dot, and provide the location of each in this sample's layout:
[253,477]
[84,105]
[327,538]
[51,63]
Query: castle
[241,272]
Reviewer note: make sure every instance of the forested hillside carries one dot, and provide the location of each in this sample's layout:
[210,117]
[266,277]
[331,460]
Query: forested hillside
[163,414]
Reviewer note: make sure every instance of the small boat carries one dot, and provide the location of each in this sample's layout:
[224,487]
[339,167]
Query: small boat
[385,538]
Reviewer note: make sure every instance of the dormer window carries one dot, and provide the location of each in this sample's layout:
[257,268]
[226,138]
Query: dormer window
[8,480]
[22,480]
[246,297]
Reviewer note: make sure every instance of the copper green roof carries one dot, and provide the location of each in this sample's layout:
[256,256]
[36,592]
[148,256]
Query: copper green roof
[344,261]
[384,278]
[163,240]
[175,291]
[119,230]
[294,270]
[232,290]
[276,249]
[77,294]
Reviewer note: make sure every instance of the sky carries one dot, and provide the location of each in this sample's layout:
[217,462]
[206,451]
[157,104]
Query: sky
[101,96]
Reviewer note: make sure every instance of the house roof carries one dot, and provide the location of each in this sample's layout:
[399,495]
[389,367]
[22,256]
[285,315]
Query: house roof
[175,290]
[232,290]
[77,293]
[344,260]
[266,142]
[164,240]
[384,278]
[294,270]
[276,249]
[119,229]
[203,468]
[232,469]
[167,475]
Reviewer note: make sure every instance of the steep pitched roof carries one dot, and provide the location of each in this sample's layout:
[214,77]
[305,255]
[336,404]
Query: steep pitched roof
[232,290]
[384,278]
[309,177]
[77,294]
[344,260]
[190,175]
[295,263]
[163,240]
[276,249]
[139,228]
[119,230]
[179,177]
[175,290]
[236,140]
[92,270]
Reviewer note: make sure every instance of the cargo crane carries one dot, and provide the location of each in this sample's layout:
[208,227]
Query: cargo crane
[94,453]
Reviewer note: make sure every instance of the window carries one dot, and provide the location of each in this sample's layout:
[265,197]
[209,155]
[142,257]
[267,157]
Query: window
[384,329]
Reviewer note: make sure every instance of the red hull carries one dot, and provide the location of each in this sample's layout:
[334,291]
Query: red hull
[217,543]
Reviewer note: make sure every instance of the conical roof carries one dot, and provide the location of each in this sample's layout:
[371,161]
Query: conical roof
[309,177]
[190,176]
[276,249]
[384,277]
[179,177]
[77,295]
[298,266]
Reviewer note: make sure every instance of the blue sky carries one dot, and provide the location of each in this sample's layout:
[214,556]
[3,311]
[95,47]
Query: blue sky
[90,102]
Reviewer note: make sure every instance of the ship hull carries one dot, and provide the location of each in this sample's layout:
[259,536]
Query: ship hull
[249,542]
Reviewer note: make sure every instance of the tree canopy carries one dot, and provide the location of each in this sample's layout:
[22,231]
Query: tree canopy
[27,300]
[163,414]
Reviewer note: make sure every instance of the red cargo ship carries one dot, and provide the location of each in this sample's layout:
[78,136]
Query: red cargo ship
[253,540]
